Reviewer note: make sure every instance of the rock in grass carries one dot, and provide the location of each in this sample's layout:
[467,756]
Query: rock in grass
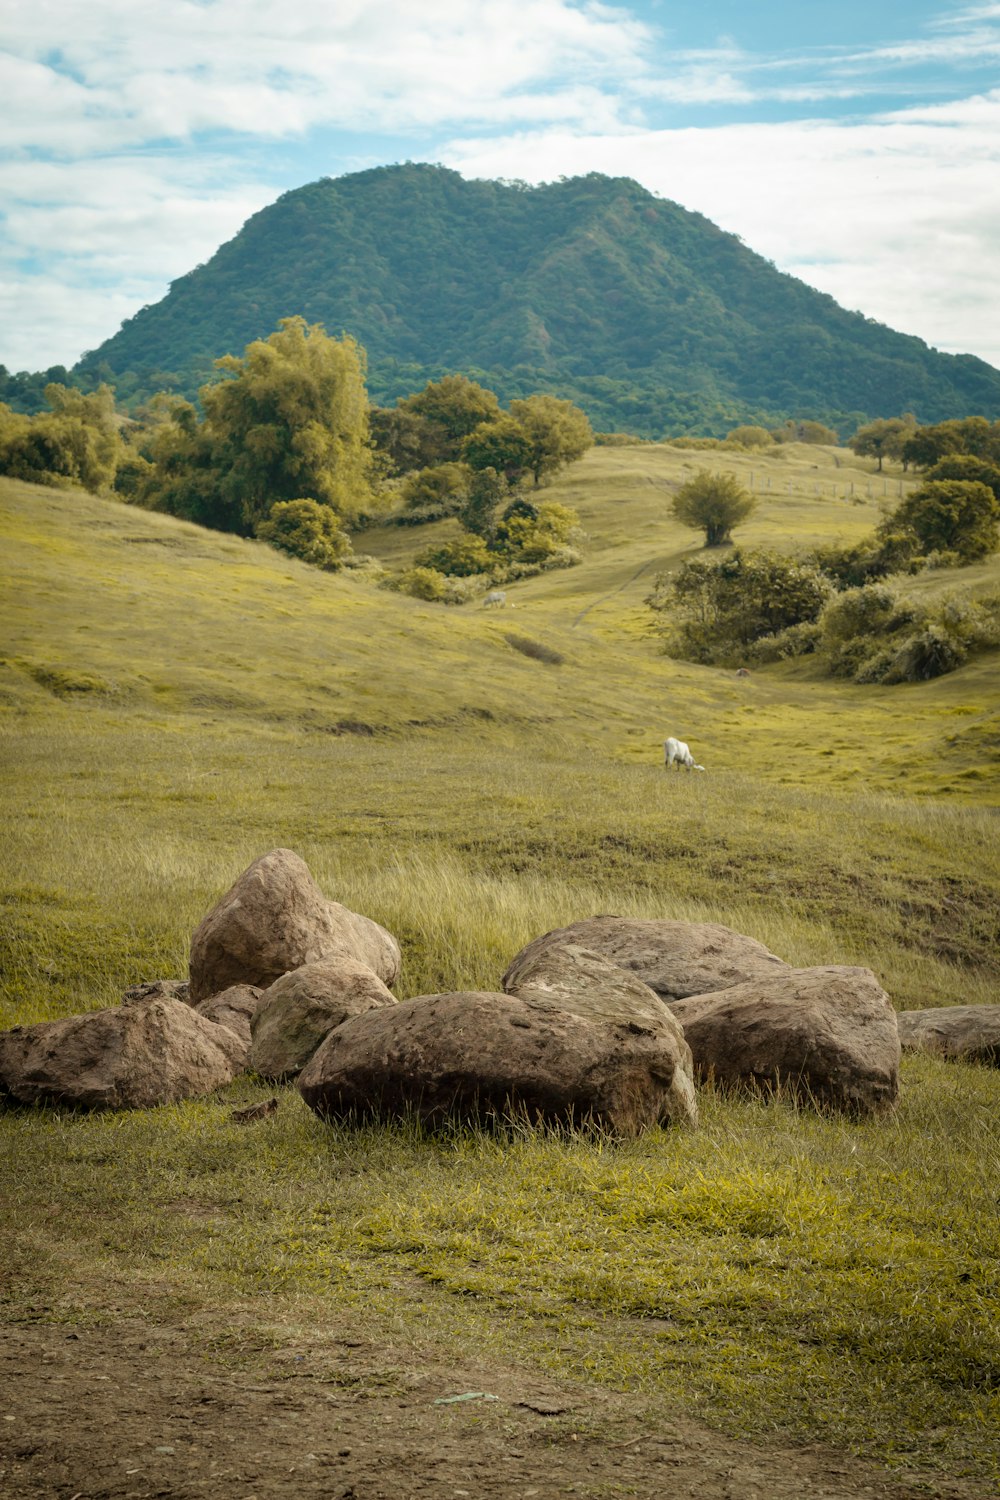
[572,978]
[970,1033]
[149,1051]
[675,959]
[301,1008]
[235,1008]
[275,919]
[828,1035]
[482,1057]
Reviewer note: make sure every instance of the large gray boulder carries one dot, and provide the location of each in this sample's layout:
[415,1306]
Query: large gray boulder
[675,959]
[303,1007]
[481,1056]
[970,1033]
[235,1008]
[149,1051]
[275,919]
[828,1034]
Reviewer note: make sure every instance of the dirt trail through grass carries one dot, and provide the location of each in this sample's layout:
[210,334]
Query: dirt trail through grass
[611,593]
[139,1409]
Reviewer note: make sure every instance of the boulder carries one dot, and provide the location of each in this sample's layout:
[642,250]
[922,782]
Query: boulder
[968,1032]
[234,1008]
[491,1057]
[146,1052]
[829,1034]
[275,919]
[303,1007]
[676,959]
[162,989]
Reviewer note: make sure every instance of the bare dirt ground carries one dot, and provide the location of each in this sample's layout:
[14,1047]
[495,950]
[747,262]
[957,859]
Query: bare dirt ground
[129,1409]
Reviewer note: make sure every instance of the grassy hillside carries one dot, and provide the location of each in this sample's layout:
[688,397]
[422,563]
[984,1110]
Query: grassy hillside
[648,316]
[175,702]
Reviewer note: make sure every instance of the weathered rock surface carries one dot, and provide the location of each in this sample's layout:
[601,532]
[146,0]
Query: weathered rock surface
[827,1033]
[968,1032]
[303,1007]
[146,1052]
[477,1055]
[159,989]
[676,959]
[574,979]
[235,1008]
[275,919]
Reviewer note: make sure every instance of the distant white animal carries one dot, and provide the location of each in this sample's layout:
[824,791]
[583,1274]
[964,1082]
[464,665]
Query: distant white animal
[676,750]
[495,599]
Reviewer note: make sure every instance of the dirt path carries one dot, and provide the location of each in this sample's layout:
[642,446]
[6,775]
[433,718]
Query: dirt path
[130,1411]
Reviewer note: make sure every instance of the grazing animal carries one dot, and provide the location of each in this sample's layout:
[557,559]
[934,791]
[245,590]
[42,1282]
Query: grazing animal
[495,599]
[676,750]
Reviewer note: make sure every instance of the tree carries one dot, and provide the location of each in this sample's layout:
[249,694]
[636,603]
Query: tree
[306,529]
[76,442]
[291,424]
[714,504]
[885,438]
[502,444]
[436,492]
[447,411]
[951,515]
[558,432]
[967,466]
[929,445]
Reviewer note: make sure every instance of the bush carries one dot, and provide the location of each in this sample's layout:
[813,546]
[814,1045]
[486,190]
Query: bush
[422,583]
[797,640]
[308,530]
[465,555]
[749,437]
[436,492]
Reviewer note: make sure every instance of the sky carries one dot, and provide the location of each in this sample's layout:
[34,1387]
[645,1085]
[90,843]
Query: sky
[855,144]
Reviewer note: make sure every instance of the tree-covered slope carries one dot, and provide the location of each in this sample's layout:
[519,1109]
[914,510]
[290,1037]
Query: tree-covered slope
[649,316]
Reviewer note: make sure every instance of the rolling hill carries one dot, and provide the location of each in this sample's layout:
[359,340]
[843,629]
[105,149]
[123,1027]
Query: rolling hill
[650,317]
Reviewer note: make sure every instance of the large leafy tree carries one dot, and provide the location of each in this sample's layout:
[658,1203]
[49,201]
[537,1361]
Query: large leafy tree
[951,515]
[558,433]
[291,424]
[447,411]
[714,504]
[883,439]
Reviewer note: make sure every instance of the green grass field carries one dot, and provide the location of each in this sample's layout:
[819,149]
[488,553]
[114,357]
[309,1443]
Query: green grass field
[173,703]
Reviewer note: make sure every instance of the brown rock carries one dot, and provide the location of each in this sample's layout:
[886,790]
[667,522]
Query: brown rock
[829,1034]
[482,1056]
[574,979]
[303,1007]
[675,959]
[234,1008]
[275,919]
[968,1032]
[150,1051]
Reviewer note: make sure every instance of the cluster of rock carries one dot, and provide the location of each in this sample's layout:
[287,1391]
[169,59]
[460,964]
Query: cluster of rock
[611,1022]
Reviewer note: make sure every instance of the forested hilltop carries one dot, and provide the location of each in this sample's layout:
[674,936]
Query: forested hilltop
[649,317]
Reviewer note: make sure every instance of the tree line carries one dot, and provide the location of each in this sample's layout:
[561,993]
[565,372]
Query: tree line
[286,448]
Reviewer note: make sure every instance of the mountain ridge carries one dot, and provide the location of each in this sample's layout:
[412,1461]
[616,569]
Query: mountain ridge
[651,317]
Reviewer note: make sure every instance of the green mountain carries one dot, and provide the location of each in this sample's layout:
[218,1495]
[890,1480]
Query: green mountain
[649,316]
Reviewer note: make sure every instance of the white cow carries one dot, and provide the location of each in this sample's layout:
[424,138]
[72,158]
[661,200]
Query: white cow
[495,599]
[676,750]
